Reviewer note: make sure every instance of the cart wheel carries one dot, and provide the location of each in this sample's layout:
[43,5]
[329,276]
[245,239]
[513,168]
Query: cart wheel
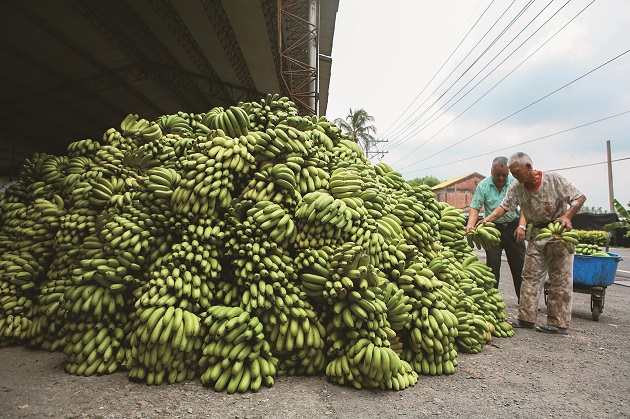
[597,309]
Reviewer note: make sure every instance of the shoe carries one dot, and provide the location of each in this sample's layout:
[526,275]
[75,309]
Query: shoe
[521,324]
[552,330]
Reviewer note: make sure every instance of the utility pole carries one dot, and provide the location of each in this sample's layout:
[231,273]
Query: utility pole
[611,194]
[369,152]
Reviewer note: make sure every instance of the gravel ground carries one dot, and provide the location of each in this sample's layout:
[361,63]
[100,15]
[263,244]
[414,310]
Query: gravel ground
[531,375]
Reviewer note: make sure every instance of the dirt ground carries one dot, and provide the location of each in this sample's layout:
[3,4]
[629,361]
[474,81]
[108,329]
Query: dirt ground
[531,375]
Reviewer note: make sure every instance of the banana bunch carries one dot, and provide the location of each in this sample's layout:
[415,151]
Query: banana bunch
[131,126]
[150,133]
[108,159]
[393,180]
[113,137]
[314,271]
[301,123]
[321,220]
[93,348]
[345,183]
[432,328]
[377,202]
[273,222]
[368,237]
[205,187]
[162,182]
[48,319]
[235,354]
[175,124]
[319,136]
[233,121]
[165,341]
[588,249]
[484,236]
[556,230]
[368,365]
[419,225]
[347,153]
[80,164]
[108,192]
[484,278]
[20,269]
[452,229]
[91,300]
[269,111]
[14,327]
[299,338]
[398,307]
[395,256]
[283,139]
[390,227]
[236,154]
[137,162]
[85,147]
[444,268]
[310,176]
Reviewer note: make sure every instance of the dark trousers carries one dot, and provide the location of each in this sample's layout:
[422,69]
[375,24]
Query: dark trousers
[515,253]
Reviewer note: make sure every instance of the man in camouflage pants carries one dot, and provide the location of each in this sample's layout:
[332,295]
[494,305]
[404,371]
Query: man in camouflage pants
[543,199]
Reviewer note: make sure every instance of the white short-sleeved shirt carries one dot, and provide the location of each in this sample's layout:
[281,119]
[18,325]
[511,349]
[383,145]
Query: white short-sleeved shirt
[546,203]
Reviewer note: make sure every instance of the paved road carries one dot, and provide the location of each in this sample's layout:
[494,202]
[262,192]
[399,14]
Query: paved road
[623,268]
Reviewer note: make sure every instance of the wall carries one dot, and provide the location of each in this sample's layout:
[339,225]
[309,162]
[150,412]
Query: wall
[459,194]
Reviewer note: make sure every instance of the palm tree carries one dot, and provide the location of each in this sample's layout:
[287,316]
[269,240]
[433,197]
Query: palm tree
[356,127]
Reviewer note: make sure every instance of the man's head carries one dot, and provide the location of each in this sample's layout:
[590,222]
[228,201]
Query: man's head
[499,171]
[521,167]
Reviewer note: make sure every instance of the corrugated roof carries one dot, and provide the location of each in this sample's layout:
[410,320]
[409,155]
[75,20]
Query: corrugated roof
[457,179]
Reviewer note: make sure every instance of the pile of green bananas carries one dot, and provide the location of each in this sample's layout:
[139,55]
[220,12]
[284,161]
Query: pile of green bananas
[555,230]
[484,236]
[589,249]
[239,245]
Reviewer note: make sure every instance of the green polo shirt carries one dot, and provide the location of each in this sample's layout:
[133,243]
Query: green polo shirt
[486,195]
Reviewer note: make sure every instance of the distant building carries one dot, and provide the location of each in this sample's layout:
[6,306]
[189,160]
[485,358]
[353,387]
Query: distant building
[459,191]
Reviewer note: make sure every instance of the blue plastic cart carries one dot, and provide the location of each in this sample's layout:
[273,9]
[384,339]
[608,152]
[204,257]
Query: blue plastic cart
[591,275]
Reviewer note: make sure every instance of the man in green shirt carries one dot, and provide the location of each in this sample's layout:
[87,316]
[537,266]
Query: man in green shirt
[489,194]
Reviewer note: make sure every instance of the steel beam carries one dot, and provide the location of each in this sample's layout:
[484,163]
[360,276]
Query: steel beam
[297,35]
[221,24]
[125,15]
[167,12]
[270,12]
[81,52]
[201,81]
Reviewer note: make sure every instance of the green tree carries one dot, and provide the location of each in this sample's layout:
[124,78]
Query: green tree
[427,180]
[358,128]
[625,219]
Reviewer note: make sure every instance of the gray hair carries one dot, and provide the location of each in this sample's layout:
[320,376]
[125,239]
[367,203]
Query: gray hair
[499,161]
[521,159]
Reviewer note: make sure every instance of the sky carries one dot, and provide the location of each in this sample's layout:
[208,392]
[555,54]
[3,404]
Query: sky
[452,84]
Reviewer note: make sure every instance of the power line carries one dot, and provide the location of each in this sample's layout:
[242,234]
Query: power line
[426,123]
[588,165]
[460,63]
[519,144]
[438,71]
[520,110]
[506,76]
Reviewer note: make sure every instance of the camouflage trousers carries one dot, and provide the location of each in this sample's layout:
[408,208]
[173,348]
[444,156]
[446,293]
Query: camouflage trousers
[547,257]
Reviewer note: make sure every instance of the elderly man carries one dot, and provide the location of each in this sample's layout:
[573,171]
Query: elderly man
[543,198]
[489,194]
